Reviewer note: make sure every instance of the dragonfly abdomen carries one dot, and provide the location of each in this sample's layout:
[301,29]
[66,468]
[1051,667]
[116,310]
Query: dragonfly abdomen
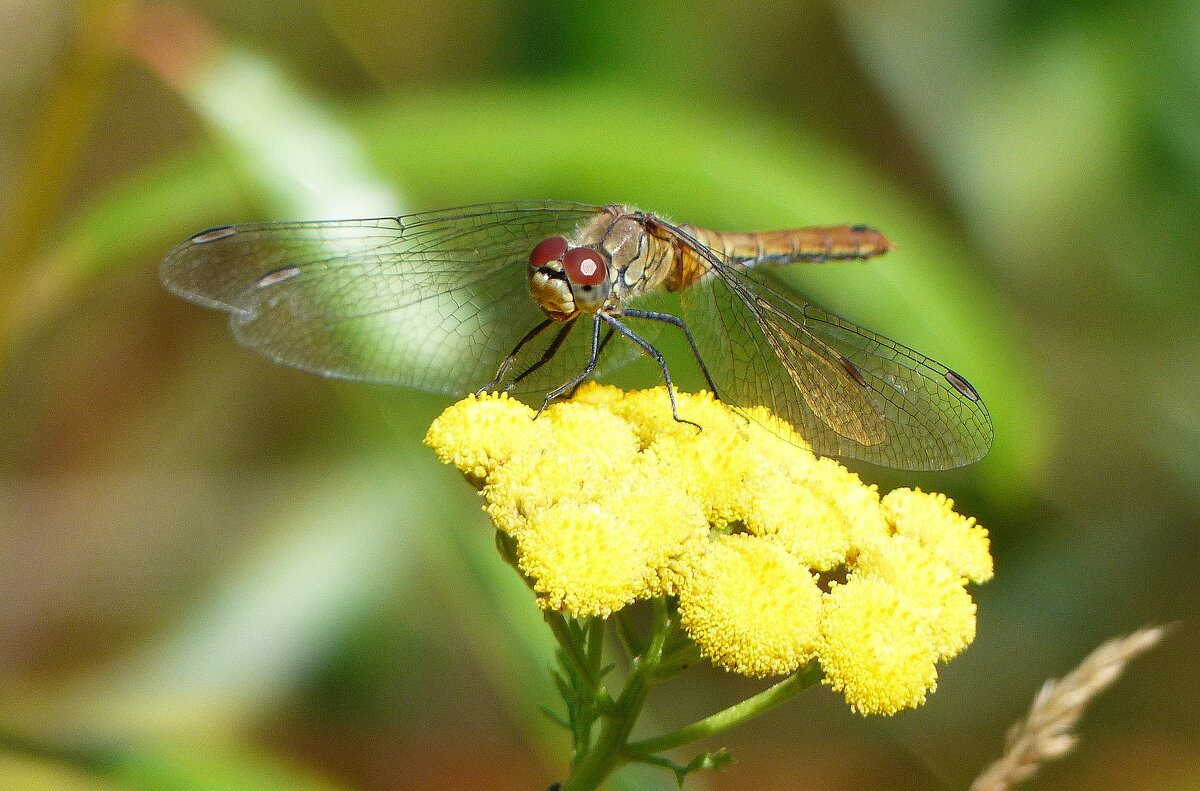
[799,245]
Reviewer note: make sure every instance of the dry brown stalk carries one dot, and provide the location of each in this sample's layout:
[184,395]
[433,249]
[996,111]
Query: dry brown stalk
[1045,734]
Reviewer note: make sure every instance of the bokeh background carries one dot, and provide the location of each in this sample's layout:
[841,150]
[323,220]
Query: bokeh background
[218,573]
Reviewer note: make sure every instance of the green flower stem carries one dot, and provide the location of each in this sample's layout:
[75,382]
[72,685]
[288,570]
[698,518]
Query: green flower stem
[595,646]
[574,655]
[594,760]
[607,752]
[768,699]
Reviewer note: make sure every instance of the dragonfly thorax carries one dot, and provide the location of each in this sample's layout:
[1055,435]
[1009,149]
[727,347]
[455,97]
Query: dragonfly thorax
[566,280]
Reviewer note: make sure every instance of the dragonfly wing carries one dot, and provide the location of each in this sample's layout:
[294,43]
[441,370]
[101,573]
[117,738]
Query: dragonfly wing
[848,391]
[434,300]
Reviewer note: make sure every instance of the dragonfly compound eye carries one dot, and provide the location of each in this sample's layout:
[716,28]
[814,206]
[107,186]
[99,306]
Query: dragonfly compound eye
[547,250]
[585,267]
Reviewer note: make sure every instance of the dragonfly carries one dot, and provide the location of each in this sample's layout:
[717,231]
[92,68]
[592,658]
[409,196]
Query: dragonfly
[526,296]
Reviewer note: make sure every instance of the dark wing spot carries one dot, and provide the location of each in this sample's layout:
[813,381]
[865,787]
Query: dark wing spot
[852,369]
[962,385]
[213,234]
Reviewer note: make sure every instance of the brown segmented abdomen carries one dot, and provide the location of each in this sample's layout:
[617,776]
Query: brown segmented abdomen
[799,245]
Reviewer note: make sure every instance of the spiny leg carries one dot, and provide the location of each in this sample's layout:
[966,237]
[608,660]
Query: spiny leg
[547,355]
[608,334]
[508,361]
[591,366]
[658,358]
[678,322]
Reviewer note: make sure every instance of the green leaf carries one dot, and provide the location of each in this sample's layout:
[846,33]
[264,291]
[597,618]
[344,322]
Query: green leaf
[717,759]
[555,718]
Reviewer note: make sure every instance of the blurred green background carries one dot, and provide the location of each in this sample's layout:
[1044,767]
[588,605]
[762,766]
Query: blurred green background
[218,573]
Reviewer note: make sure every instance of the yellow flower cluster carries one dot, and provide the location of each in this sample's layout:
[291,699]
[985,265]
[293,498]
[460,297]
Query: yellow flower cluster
[777,557]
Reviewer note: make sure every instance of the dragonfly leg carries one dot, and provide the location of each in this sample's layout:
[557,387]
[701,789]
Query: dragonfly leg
[547,355]
[678,322]
[591,366]
[502,371]
[608,334]
[653,353]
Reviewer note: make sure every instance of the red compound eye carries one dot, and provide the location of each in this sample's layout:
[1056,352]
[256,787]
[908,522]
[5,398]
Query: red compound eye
[585,266]
[547,250]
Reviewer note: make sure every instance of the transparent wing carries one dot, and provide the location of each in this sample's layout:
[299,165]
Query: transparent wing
[848,391]
[435,300]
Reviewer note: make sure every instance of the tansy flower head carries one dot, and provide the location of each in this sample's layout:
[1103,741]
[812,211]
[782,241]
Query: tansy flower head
[751,606]
[607,499]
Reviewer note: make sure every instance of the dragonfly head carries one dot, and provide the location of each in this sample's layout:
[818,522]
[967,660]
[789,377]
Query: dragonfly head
[566,281]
